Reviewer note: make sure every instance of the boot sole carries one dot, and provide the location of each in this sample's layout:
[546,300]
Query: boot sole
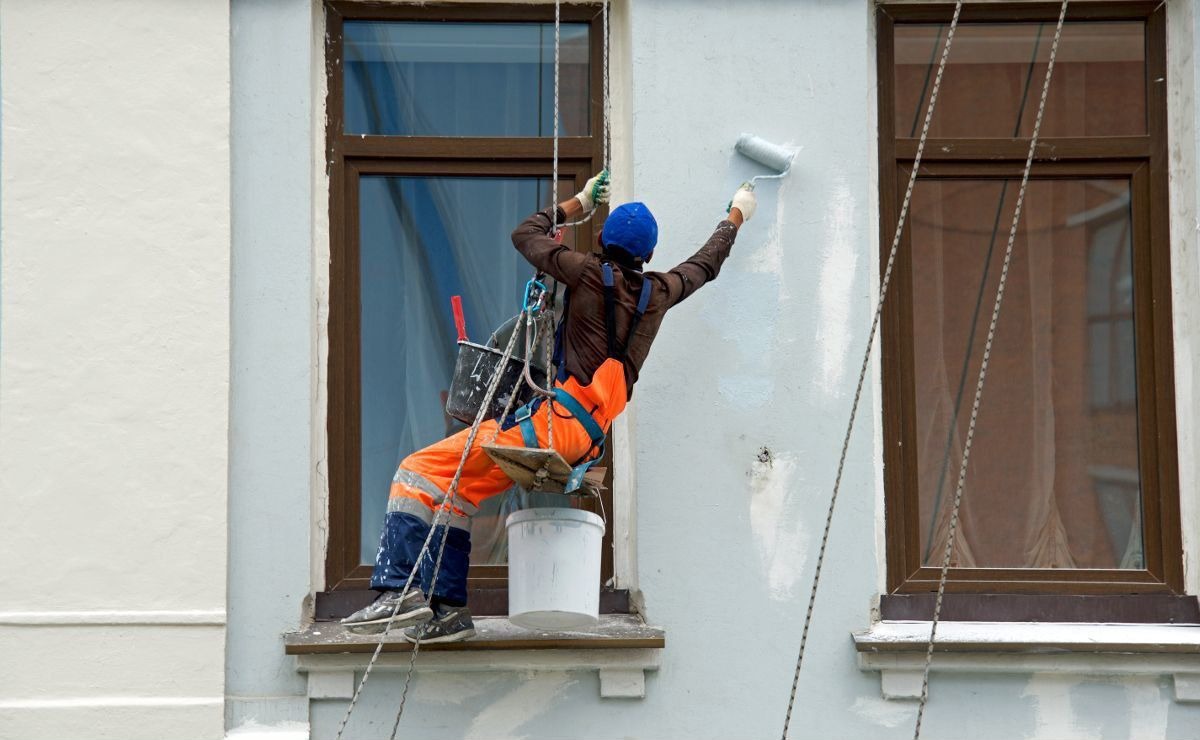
[456,637]
[377,626]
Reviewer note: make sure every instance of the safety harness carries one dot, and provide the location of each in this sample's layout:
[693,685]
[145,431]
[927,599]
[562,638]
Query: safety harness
[523,416]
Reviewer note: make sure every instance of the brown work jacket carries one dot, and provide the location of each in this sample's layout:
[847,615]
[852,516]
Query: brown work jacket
[585,335]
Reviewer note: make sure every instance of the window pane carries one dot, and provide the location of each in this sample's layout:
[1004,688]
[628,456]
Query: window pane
[423,240]
[1051,442]
[463,79]
[1125,380]
[1100,366]
[994,76]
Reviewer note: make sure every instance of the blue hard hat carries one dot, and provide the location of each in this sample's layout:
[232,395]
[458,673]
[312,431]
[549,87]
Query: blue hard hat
[631,227]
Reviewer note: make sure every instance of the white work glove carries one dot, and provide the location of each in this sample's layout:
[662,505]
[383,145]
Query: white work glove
[594,192]
[744,201]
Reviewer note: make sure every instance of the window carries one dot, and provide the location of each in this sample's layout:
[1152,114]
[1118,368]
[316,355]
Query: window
[439,142]
[1072,486]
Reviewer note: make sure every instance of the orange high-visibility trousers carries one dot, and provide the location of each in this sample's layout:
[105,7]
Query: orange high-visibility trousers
[423,479]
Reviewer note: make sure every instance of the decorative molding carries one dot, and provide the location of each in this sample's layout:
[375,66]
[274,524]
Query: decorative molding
[1020,637]
[182,617]
[897,651]
[492,634]
[330,684]
[283,731]
[617,667]
[1187,687]
[622,683]
[901,684]
[95,702]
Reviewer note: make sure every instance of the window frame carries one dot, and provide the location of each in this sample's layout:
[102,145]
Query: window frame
[348,157]
[1143,159]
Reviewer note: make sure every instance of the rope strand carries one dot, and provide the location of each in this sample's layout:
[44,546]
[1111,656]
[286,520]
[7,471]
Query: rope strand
[983,367]
[862,373]
[557,54]
[447,502]
[606,107]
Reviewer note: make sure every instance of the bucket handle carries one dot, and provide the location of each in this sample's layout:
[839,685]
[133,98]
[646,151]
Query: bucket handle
[599,500]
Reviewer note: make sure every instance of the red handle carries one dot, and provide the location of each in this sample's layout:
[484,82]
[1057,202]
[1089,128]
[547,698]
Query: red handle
[460,321]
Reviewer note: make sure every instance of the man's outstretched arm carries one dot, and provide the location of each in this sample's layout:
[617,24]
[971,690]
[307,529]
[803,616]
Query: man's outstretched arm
[704,266]
[534,241]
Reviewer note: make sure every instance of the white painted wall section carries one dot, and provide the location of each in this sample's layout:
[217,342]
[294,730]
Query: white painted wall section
[114,375]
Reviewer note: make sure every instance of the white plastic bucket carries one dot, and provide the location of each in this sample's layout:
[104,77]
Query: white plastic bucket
[554,568]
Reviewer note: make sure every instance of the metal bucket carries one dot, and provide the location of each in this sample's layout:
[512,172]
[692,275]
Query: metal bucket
[473,371]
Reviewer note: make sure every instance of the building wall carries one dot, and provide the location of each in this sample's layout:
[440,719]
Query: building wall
[114,375]
[273,348]
[725,549]
[162,346]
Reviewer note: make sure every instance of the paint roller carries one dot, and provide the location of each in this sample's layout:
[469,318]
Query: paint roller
[769,155]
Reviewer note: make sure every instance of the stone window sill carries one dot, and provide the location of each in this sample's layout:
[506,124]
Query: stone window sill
[621,648]
[897,651]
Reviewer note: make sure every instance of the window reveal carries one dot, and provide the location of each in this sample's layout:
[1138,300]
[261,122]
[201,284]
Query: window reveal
[1072,484]
[439,126]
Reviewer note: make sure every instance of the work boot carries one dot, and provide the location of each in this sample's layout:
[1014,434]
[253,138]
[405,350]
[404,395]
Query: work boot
[373,618]
[449,624]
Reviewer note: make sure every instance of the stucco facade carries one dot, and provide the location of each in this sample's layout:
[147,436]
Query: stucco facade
[164,297]
[114,435]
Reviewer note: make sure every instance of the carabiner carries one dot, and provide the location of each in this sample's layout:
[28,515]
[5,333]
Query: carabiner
[535,292]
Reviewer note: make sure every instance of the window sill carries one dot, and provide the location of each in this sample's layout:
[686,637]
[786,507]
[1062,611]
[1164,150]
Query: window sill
[621,648]
[897,651]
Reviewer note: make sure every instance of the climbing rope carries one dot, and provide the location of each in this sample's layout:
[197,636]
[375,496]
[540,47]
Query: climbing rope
[447,503]
[451,496]
[862,373]
[548,393]
[606,103]
[532,330]
[606,134]
[554,175]
[983,367]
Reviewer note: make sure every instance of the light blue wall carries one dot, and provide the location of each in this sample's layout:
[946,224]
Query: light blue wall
[272,358]
[725,542]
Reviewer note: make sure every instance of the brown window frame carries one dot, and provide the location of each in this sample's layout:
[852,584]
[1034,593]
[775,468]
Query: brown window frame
[1143,159]
[351,156]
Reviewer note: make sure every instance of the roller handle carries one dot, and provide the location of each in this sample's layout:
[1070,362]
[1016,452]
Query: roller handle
[460,321]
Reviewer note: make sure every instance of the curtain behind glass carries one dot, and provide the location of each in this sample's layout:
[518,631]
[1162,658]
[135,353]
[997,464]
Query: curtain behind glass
[422,240]
[464,79]
[1053,479]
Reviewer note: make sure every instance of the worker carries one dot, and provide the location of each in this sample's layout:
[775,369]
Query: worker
[614,310]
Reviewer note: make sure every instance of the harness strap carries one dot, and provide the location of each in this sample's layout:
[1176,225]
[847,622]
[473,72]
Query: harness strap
[560,345]
[581,414]
[523,418]
[643,301]
[617,349]
[525,421]
[610,309]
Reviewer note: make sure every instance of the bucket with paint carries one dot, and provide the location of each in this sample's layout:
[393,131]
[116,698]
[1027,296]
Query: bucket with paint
[554,568]
[473,371]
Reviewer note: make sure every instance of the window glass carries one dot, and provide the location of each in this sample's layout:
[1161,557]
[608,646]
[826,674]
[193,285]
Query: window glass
[1053,476]
[463,79]
[1110,312]
[993,79]
[423,240]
